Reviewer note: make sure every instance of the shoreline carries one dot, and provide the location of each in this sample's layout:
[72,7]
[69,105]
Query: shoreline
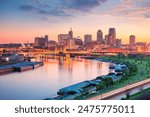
[19,67]
[130,79]
[61,95]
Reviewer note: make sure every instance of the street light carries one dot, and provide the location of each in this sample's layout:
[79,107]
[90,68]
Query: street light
[7,59]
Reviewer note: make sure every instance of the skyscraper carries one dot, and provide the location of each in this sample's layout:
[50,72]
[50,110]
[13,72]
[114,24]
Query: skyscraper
[63,39]
[118,42]
[99,36]
[41,42]
[87,38]
[106,39]
[71,33]
[132,40]
[46,40]
[112,36]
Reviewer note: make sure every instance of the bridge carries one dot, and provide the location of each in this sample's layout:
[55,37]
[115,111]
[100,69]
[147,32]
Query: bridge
[87,52]
[80,53]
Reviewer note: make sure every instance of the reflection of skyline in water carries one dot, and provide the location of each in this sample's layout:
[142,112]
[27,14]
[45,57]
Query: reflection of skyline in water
[45,81]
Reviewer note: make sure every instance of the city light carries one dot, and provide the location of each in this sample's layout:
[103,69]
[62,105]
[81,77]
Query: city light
[68,48]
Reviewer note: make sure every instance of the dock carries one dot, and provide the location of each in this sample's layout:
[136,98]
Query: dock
[19,67]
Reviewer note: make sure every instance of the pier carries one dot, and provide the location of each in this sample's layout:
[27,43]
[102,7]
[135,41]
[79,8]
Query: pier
[19,67]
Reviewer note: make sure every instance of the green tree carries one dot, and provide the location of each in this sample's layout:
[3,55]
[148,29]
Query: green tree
[108,81]
[100,86]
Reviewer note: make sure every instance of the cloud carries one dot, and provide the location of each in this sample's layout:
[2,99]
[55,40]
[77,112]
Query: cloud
[83,5]
[132,8]
[61,7]
[30,8]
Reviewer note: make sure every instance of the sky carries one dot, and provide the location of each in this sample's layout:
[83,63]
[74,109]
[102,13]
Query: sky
[23,20]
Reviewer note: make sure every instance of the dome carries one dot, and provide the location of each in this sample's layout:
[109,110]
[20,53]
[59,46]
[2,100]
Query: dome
[118,69]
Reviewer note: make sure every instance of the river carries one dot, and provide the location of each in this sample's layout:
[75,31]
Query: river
[45,81]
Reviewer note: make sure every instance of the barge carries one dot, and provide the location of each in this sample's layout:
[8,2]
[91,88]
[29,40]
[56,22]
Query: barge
[6,70]
[19,67]
[22,68]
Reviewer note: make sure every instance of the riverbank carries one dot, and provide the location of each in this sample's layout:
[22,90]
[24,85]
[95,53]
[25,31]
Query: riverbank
[85,88]
[19,67]
[142,64]
[138,71]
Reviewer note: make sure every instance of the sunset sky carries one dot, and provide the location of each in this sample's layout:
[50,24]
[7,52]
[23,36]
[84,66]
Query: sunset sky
[23,20]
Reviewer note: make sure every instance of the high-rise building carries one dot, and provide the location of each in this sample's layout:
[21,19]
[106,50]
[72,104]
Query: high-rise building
[78,41]
[64,39]
[99,36]
[132,40]
[71,33]
[46,37]
[46,40]
[87,38]
[41,42]
[106,39]
[112,36]
[110,40]
[118,42]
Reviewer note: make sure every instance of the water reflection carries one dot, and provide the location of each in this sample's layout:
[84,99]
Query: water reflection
[45,81]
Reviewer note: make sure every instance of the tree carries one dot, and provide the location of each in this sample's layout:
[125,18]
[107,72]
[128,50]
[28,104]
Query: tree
[125,74]
[100,86]
[108,81]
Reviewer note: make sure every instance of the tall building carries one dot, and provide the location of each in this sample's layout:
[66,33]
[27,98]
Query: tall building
[46,37]
[78,41]
[41,42]
[112,36]
[71,33]
[110,40]
[46,40]
[87,38]
[118,42]
[99,36]
[132,40]
[63,39]
[106,39]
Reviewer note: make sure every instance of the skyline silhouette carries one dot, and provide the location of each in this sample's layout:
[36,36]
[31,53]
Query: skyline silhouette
[22,21]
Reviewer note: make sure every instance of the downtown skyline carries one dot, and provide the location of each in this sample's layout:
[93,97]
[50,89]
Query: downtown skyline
[21,21]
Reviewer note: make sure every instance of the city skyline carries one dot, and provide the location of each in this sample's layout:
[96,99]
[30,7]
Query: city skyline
[22,21]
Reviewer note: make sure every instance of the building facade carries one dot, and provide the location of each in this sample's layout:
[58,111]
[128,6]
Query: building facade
[112,36]
[100,36]
[64,39]
[132,40]
[41,42]
[87,38]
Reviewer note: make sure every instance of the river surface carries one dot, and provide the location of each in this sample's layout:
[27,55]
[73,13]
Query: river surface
[45,81]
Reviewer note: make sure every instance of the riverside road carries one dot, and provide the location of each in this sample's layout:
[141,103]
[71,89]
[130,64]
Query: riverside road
[121,92]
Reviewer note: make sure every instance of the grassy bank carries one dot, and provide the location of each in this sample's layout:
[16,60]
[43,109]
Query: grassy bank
[139,62]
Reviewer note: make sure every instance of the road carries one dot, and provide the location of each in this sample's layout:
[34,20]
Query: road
[120,90]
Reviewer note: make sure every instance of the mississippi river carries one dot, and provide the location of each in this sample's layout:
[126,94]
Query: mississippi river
[45,81]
